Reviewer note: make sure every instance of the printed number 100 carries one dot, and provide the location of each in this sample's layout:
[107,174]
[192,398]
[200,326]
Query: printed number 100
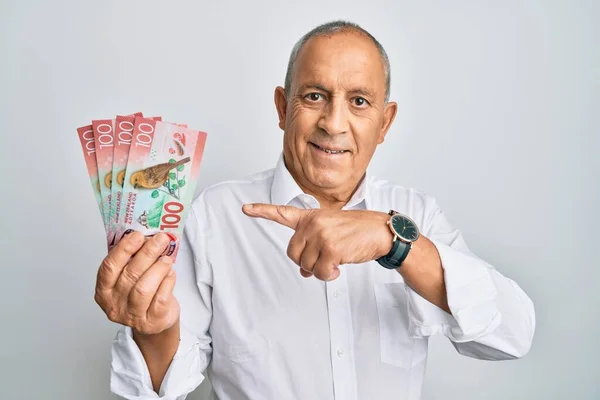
[170,220]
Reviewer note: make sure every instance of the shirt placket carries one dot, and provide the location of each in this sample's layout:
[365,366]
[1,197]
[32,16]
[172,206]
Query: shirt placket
[341,336]
[341,339]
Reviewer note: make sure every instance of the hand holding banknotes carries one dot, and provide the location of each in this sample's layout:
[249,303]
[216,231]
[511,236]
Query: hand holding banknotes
[143,173]
[134,285]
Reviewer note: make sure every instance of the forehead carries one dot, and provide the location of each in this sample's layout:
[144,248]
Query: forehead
[341,60]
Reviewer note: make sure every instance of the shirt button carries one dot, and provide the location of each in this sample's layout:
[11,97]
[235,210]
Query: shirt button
[340,352]
[336,294]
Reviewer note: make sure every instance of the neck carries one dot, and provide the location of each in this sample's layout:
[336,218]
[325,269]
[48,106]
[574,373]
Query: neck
[331,200]
[328,198]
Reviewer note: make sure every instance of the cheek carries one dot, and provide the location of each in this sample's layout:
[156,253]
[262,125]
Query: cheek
[366,136]
[303,124]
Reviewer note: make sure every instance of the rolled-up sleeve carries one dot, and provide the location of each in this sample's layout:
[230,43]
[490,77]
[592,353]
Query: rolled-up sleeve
[491,316]
[129,375]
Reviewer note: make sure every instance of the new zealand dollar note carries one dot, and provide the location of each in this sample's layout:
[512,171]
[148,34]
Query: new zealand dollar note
[86,137]
[160,179]
[104,139]
[123,133]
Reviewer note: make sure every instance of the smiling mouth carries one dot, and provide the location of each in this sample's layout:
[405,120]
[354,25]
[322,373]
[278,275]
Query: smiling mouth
[328,151]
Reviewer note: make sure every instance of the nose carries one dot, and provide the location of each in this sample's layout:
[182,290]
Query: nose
[334,119]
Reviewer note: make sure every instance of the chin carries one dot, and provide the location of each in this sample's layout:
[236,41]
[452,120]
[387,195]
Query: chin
[328,179]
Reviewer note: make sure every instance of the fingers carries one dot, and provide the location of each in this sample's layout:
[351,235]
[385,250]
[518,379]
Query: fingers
[305,258]
[326,268]
[161,303]
[141,295]
[143,259]
[314,257]
[285,215]
[113,264]
[305,273]
[133,283]
[309,256]
[296,248]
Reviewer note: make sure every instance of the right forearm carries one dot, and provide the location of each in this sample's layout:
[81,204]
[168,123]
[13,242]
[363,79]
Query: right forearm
[158,351]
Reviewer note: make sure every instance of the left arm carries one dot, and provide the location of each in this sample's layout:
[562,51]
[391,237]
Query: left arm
[423,272]
[487,315]
[450,290]
[422,269]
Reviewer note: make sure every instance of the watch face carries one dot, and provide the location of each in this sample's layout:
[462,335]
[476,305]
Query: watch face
[405,228]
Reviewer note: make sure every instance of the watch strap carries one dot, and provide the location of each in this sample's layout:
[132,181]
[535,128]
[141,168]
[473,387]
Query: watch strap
[396,256]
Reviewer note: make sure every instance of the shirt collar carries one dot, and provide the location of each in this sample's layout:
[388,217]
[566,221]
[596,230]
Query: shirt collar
[284,188]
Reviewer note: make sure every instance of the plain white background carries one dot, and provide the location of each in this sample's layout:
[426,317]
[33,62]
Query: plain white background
[498,118]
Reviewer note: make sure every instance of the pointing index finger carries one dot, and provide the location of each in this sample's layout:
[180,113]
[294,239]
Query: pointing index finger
[284,215]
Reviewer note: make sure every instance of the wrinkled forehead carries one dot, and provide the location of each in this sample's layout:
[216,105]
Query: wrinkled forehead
[341,61]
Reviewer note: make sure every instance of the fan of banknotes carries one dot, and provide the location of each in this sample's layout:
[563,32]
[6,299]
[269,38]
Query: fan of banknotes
[143,172]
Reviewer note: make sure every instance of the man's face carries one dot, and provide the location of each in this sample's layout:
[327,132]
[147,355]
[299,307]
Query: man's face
[334,117]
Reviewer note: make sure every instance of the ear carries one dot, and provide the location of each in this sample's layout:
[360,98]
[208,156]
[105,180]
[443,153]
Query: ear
[389,114]
[281,105]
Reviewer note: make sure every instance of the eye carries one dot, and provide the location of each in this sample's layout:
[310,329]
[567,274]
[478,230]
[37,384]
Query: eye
[360,101]
[314,96]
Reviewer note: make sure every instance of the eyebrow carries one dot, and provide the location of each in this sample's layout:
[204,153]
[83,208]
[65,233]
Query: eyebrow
[359,90]
[314,86]
[363,91]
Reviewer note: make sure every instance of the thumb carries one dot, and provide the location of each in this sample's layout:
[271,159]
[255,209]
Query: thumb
[285,215]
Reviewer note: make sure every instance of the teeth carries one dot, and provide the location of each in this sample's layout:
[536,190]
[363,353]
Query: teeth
[331,151]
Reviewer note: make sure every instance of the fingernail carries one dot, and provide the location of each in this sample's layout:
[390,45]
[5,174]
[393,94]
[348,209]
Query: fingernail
[166,259]
[135,237]
[249,206]
[161,239]
[171,272]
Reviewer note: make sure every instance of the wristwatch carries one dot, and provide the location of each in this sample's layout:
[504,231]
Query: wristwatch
[405,233]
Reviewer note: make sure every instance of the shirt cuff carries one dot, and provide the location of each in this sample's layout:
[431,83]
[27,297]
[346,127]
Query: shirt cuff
[130,378]
[471,296]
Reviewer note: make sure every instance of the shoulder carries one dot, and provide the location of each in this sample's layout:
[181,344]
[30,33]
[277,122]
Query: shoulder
[415,202]
[385,192]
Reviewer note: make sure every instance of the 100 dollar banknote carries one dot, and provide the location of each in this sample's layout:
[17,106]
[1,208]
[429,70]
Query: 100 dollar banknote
[104,138]
[160,179]
[86,137]
[123,133]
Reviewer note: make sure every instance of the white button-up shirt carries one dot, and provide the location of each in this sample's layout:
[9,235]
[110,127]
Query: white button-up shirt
[259,330]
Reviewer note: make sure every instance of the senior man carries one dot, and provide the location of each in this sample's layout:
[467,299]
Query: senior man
[312,280]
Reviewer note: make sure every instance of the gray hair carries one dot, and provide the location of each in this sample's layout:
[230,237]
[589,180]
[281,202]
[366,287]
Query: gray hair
[331,28]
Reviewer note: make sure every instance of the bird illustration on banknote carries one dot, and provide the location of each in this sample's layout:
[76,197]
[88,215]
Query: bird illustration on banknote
[108,180]
[121,177]
[155,176]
